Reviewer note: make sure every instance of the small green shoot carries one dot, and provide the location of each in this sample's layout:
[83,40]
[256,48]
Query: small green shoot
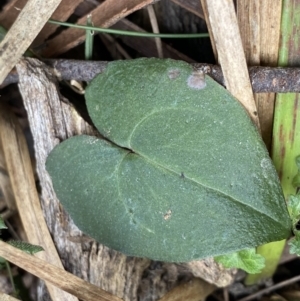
[294,244]
[246,260]
[294,211]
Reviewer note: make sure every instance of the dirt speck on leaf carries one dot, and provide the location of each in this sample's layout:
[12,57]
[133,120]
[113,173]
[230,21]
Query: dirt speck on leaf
[173,73]
[168,215]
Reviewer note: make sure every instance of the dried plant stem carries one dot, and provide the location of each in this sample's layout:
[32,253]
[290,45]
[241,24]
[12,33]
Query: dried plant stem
[27,26]
[154,24]
[223,21]
[55,275]
[19,168]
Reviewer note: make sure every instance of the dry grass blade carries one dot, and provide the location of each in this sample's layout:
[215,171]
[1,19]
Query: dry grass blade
[155,28]
[62,13]
[12,9]
[6,190]
[105,15]
[192,6]
[52,274]
[146,46]
[222,18]
[27,26]
[259,23]
[211,34]
[249,24]
[19,168]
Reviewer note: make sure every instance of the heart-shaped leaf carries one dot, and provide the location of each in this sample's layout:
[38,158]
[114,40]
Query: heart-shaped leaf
[185,176]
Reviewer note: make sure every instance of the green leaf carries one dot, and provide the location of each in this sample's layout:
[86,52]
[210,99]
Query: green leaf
[296,179]
[246,260]
[294,244]
[185,176]
[25,246]
[294,208]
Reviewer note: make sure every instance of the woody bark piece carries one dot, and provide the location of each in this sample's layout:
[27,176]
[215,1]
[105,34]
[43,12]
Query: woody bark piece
[53,120]
[211,271]
[223,21]
[105,15]
[20,171]
[27,26]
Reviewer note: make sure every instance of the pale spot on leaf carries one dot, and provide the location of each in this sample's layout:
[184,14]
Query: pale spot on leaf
[196,80]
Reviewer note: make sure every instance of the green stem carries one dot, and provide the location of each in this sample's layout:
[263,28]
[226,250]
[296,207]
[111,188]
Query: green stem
[132,33]
[89,40]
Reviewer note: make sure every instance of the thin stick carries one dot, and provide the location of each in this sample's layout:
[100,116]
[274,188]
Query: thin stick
[155,28]
[225,294]
[52,274]
[263,79]
[106,38]
[271,289]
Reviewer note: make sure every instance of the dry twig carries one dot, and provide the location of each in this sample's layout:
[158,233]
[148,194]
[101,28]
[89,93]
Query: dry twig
[263,79]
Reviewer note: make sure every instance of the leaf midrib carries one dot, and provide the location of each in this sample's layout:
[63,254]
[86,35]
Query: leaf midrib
[154,163]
